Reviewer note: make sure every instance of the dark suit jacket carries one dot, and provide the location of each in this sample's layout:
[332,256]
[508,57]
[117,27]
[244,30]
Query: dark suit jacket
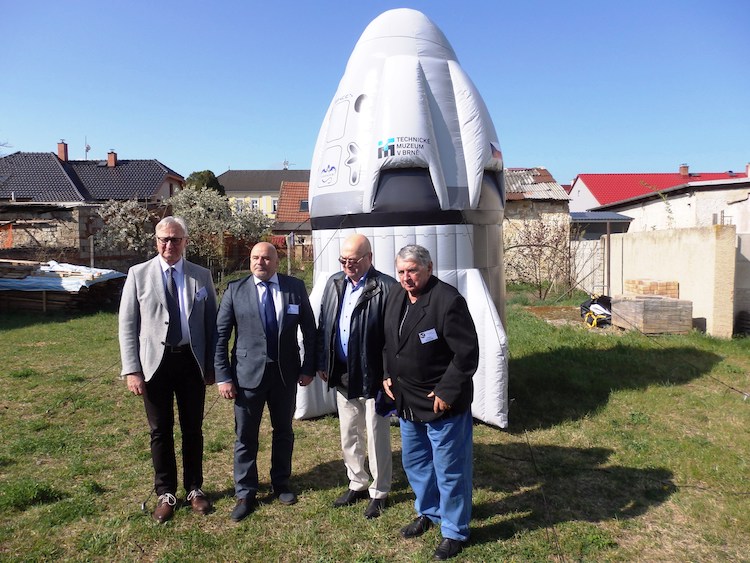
[240,311]
[438,350]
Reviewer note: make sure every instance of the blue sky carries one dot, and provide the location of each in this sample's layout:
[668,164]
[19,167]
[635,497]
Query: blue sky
[575,86]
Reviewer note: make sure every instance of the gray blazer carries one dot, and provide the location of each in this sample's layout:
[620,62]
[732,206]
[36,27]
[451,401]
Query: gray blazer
[240,311]
[144,318]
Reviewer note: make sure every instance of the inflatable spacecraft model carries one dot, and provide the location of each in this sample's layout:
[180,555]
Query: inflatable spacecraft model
[407,154]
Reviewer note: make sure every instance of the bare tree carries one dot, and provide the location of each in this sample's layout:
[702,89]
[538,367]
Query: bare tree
[537,252]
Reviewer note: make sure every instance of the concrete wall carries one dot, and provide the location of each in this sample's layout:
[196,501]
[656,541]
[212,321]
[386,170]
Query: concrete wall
[588,266]
[702,260]
[742,275]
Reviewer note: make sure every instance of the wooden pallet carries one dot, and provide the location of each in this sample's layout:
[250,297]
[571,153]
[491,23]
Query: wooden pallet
[652,314]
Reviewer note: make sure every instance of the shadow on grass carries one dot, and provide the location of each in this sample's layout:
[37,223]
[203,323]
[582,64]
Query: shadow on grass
[22,319]
[548,485]
[568,383]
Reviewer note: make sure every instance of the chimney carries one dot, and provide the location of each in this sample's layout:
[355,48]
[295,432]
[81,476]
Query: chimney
[684,170]
[111,159]
[747,170]
[62,150]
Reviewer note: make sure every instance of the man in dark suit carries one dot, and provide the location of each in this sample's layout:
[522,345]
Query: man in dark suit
[264,310]
[167,334]
[432,352]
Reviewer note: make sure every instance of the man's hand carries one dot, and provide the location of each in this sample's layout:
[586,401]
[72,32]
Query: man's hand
[136,383]
[227,390]
[439,405]
[323,375]
[305,380]
[387,388]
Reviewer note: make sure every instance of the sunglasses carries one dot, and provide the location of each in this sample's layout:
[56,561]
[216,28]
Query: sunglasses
[350,261]
[167,240]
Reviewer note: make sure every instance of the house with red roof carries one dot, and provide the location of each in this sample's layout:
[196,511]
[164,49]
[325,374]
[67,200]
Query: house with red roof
[668,201]
[591,192]
[293,219]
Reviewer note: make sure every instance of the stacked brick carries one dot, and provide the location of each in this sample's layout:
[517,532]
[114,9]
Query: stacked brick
[653,287]
[652,307]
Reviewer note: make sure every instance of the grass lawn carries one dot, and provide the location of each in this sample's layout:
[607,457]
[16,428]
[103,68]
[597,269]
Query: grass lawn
[620,448]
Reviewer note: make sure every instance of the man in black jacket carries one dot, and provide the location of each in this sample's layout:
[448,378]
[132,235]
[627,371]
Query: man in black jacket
[432,352]
[350,358]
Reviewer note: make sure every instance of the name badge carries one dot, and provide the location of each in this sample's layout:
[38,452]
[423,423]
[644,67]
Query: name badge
[428,336]
[293,309]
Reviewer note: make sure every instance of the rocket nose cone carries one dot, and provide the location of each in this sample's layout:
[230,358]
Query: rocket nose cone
[405,23]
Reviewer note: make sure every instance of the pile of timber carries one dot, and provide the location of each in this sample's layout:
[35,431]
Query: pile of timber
[97,296]
[652,314]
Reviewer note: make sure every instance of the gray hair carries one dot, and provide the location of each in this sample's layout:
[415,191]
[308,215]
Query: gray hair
[170,220]
[415,253]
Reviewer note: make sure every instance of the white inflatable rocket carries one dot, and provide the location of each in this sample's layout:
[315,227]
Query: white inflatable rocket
[407,154]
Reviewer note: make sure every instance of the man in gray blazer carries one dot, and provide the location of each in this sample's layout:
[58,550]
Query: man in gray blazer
[167,328]
[264,310]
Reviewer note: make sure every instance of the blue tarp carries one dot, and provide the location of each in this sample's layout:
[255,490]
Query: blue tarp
[55,276]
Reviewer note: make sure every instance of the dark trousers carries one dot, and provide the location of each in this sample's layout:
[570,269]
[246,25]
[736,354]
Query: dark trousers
[178,376]
[248,411]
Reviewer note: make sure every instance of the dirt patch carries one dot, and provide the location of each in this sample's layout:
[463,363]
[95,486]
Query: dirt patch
[561,315]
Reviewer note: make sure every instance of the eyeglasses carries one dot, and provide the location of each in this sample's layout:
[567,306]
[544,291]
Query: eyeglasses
[167,240]
[350,261]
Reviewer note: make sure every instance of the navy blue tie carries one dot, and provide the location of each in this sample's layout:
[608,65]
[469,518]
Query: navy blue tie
[270,325]
[174,332]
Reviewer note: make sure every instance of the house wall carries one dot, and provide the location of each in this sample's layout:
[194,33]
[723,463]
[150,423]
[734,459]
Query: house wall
[51,229]
[702,260]
[581,198]
[700,208]
[265,202]
[742,275]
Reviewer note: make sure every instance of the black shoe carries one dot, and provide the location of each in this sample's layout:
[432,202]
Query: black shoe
[285,495]
[375,508]
[418,527]
[448,548]
[243,508]
[350,497]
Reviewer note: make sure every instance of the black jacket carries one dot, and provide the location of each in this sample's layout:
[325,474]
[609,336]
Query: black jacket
[365,349]
[437,350]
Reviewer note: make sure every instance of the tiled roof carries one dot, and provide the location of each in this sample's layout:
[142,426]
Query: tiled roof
[532,183]
[129,179]
[259,180]
[612,188]
[38,176]
[31,176]
[289,199]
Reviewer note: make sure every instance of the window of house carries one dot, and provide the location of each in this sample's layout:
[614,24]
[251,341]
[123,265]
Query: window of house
[254,203]
[275,204]
[303,206]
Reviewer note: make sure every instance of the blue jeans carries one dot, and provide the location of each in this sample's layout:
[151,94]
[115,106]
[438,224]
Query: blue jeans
[437,458]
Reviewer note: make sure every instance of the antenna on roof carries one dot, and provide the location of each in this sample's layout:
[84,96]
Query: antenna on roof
[286,164]
[86,148]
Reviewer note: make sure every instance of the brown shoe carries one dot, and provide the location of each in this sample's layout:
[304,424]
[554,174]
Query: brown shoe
[164,508]
[199,501]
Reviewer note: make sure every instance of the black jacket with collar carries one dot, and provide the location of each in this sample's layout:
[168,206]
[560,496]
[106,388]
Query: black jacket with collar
[437,351]
[365,348]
